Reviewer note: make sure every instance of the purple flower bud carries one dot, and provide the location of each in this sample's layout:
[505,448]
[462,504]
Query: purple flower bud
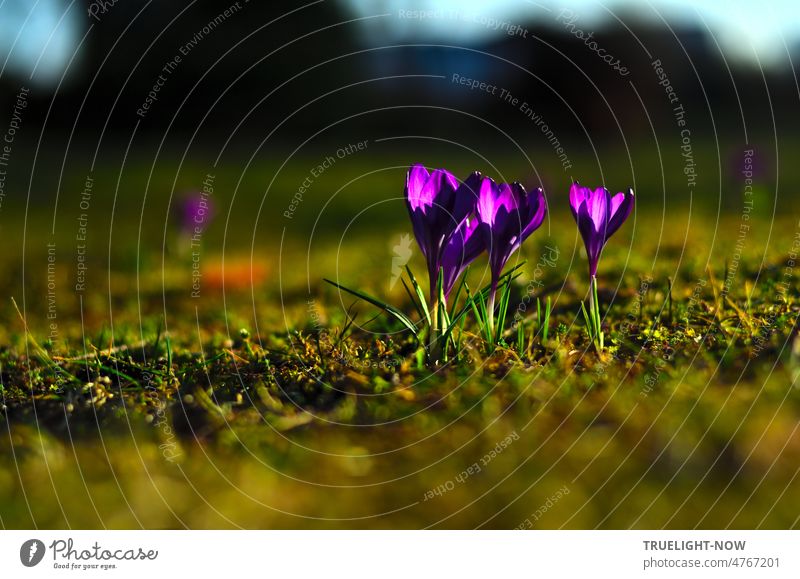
[507,215]
[439,207]
[598,215]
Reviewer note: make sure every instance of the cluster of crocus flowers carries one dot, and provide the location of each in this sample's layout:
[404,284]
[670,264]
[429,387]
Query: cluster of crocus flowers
[454,222]
[599,214]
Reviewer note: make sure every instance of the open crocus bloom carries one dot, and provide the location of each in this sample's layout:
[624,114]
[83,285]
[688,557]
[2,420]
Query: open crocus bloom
[508,215]
[598,215]
[439,206]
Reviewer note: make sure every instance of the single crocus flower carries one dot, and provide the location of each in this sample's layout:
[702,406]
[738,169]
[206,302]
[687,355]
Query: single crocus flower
[507,215]
[598,215]
[439,205]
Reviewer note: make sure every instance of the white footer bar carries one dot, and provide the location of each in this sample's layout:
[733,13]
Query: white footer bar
[401,554]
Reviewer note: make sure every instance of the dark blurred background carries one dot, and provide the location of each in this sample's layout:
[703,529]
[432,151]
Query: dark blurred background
[264,91]
[92,73]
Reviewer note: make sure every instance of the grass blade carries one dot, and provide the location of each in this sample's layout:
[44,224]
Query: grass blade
[598,322]
[589,325]
[485,291]
[421,295]
[458,291]
[539,313]
[413,299]
[391,310]
[441,314]
[546,326]
[487,331]
[460,335]
[501,319]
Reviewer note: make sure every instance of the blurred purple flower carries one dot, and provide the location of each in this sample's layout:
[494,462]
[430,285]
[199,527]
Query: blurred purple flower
[439,207]
[507,215]
[196,210]
[598,215]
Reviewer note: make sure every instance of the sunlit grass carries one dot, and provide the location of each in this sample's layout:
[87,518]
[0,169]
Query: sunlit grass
[268,411]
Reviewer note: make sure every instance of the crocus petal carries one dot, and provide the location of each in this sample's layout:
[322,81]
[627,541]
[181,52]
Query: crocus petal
[510,196]
[415,182]
[592,240]
[464,247]
[466,197]
[473,244]
[443,221]
[621,207]
[577,197]
[598,209]
[537,210]
[418,205]
[487,201]
[439,188]
[616,201]
[506,217]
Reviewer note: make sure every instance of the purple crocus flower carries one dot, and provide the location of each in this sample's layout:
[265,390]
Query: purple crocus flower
[598,215]
[507,215]
[439,206]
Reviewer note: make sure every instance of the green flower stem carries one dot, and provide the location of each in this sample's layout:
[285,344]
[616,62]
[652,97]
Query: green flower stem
[490,309]
[594,316]
[433,337]
[438,326]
